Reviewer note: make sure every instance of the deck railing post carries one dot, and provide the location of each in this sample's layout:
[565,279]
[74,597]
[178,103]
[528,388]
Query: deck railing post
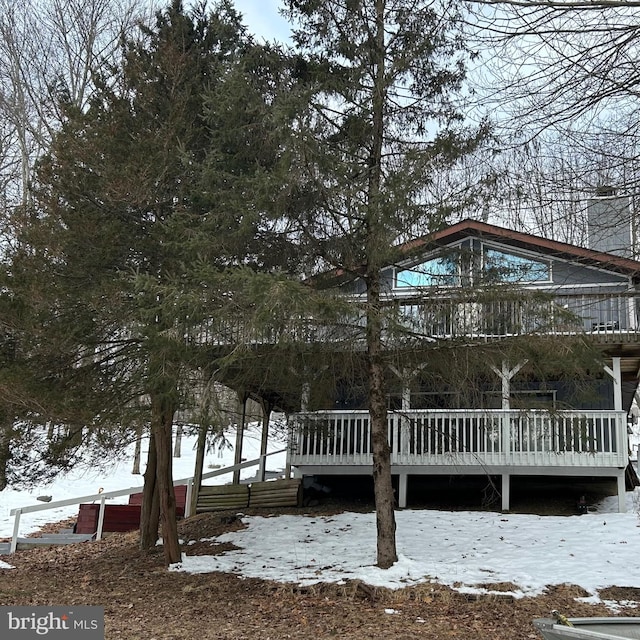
[188,497]
[16,529]
[100,518]
[506,434]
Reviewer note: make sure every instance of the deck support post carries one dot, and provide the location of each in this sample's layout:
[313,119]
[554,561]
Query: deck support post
[402,490]
[622,490]
[305,396]
[404,422]
[266,407]
[243,396]
[506,490]
[616,374]
[506,375]
[505,435]
[406,376]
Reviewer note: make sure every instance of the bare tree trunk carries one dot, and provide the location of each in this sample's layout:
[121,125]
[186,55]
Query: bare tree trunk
[74,37]
[177,449]
[6,433]
[382,485]
[136,453]
[162,411]
[199,467]
[75,435]
[149,513]
[154,520]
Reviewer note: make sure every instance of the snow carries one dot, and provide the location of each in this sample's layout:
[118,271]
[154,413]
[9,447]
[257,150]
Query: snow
[469,551]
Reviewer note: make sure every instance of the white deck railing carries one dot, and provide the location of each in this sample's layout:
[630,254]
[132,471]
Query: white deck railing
[458,314]
[465,437]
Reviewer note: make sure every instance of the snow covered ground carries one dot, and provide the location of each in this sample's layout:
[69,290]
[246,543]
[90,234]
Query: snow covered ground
[468,551]
[465,550]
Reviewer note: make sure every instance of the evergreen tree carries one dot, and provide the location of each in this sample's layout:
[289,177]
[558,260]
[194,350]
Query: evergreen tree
[142,242]
[382,128]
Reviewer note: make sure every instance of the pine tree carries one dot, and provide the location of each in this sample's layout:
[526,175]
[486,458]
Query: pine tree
[141,240]
[382,127]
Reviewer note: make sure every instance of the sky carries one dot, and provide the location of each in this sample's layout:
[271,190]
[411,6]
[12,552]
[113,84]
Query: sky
[466,550]
[263,19]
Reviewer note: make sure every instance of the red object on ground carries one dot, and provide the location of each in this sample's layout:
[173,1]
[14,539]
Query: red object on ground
[121,517]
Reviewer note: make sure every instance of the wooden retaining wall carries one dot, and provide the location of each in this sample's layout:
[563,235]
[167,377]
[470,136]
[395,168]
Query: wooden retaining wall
[275,493]
[229,496]
[126,517]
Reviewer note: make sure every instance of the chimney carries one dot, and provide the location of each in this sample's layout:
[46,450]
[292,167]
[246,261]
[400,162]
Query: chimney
[610,225]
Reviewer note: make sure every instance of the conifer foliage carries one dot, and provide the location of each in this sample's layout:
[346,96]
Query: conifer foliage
[137,244]
[384,123]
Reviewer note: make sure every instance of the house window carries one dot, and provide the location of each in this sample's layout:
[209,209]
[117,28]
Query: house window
[499,266]
[443,271]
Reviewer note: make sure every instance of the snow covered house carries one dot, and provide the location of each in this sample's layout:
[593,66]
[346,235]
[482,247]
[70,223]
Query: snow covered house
[517,356]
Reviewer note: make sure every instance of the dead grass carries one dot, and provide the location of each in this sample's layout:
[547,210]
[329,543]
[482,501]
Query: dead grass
[144,601]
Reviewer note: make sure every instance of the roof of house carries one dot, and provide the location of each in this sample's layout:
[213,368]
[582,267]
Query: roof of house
[520,240]
[516,239]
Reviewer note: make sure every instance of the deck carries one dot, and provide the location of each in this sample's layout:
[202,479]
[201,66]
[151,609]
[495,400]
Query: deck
[608,317]
[466,441]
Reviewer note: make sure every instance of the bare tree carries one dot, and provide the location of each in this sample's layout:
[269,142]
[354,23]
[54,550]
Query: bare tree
[37,74]
[561,77]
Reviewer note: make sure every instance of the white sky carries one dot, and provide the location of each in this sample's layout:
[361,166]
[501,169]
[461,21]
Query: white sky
[263,19]
[465,550]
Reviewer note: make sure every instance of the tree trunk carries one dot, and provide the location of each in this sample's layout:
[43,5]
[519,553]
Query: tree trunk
[382,485]
[75,435]
[162,411]
[6,433]
[177,449]
[199,467]
[149,511]
[376,239]
[136,454]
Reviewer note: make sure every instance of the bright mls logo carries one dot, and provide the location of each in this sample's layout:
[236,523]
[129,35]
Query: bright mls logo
[53,623]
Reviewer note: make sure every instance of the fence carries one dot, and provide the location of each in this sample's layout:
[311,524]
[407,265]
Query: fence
[103,497]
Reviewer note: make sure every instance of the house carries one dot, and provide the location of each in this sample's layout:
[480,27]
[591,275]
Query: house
[510,355]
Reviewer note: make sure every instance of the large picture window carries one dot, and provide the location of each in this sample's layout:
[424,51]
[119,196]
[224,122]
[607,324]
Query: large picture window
[443,271]
[500,266]
[455,269]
